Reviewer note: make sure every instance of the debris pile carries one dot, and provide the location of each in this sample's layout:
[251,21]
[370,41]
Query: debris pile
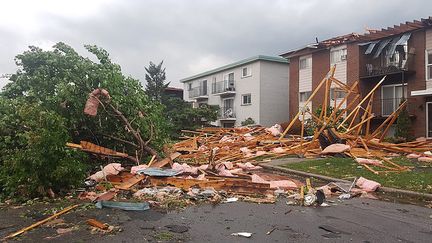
[216,164]
[341,129]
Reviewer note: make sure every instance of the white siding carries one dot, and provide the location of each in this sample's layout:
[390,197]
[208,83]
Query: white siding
[248,85]
[429,39]
[428,47]
[274,93]
[305,82]
[305,76]
[272,83]
[340,74]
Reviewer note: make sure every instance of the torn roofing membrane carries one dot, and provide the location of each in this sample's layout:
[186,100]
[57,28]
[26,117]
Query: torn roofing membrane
[394,42]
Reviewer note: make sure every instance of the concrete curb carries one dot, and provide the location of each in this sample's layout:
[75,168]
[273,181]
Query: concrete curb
[328,178]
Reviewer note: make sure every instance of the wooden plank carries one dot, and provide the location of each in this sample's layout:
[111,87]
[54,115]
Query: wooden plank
[162,163]
[97,224]
[130,182]
[230,185]
[40,222]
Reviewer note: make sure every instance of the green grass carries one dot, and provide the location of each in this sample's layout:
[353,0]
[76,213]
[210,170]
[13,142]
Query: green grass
[419,179]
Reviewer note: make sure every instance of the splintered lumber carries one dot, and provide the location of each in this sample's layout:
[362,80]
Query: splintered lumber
[162,163]
[349,122]
[97,224]
[96,149]
[126,185]
[323,81]
[40,222]
[241,186]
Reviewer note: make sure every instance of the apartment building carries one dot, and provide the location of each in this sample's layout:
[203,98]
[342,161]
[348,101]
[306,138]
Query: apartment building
[256,87]
[402,53]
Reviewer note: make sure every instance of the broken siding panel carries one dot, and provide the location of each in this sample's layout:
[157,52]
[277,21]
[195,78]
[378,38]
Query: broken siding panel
[307,108]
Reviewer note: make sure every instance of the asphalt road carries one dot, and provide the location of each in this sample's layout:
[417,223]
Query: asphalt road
[355,220]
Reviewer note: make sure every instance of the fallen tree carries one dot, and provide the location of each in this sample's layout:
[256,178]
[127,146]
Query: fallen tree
[58,83]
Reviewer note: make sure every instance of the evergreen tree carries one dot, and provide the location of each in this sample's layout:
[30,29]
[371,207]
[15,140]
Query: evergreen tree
[155,78]
[403,126]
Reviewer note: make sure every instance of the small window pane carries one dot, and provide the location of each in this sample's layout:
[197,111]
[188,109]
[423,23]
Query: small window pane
[429,58]
[429,72]
[244,71]
[246,99]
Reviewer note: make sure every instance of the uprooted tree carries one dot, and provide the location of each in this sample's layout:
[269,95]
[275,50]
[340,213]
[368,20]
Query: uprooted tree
[56,84]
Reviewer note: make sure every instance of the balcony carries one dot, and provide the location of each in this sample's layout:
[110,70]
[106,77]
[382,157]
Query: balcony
[224,88]
[227,113]
[383,108]
[198,93]
[388,65]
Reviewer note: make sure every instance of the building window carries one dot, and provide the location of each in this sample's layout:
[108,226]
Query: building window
[304,96]
[391,97]
[246,99]
[189,85]
[246,72]
[336,94]
[305,62]
[429,65]
[338,55]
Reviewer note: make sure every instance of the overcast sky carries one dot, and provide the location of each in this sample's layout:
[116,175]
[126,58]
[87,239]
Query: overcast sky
[190,36]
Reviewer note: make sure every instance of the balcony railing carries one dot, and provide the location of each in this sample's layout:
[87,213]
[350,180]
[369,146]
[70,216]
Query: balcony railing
[223,87]
[198,92]
[381,66]
[227,113]
[385,107]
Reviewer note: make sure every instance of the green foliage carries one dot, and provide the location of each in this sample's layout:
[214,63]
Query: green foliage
[33,157]
[182,116]
[403,126]
[155,78]
[58,83]
[248,121]
[311,125]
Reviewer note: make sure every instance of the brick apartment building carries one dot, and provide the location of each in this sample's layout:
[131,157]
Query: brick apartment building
[402,52]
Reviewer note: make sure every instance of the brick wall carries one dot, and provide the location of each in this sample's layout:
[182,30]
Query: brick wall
[320,68]
[417,82]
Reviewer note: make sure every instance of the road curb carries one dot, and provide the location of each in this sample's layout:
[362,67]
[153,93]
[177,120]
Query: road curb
[328,178]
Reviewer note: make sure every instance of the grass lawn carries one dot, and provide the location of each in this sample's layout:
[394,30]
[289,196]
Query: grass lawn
[419,179]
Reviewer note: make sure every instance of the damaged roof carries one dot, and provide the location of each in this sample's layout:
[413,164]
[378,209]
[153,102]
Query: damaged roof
[335,41]
[370,35]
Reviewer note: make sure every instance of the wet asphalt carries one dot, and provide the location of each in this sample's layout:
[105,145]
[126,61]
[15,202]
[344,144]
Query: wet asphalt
[355,220]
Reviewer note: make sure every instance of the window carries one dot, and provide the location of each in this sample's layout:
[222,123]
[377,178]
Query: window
[246,72]
[203,87]
[391,97]
[429,65]
[305,62]
[336,94]
[189,85]
[246,99]
[338,55]
[304,96]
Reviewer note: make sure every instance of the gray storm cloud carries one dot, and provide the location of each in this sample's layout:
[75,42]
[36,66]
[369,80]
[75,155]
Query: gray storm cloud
[194,36]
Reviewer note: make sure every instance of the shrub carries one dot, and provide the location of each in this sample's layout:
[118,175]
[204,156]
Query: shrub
[248,121]
[33,157]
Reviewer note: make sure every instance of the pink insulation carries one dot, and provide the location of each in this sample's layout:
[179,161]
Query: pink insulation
[336,148]
[367,185]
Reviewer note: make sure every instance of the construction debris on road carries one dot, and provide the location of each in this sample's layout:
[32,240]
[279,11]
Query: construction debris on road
[218,164]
